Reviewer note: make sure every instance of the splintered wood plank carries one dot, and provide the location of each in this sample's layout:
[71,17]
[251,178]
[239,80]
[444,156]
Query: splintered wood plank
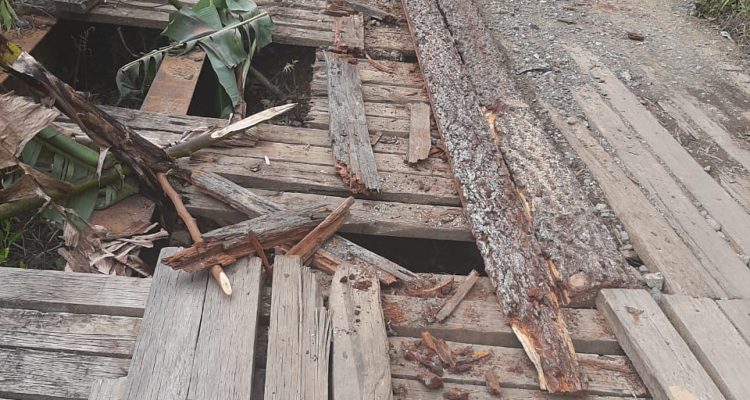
[299,336]
[719,204]
[495,207]
[104,335]
[482,322]
[34,374]
[350,139]
[718,258]
[224,362]
[607,375]
[718,345]
[360,346]
[165,349]
[72,292]
[661,357]
[420,141]
[653,238]
[174,84]
[738,311]
[108,389]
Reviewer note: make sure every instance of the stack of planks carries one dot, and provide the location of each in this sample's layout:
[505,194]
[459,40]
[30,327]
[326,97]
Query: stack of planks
[540,241]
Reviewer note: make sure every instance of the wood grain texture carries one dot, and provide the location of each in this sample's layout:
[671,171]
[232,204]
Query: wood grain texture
[360,347]
[172,89]
[659,354]
[447,309]
[165,349]
[94,334]
[299,335]
[72,292]
[738,311]
[350,139]
[75,6]
[35,374]
[420,140]
[718,346]
[224,363]
[108,389]
[495,207]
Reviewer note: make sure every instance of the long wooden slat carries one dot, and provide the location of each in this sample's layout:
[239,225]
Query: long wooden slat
[607,375]
[719,259]
[72,292]
[715,342]
[174,84]
[360,364]
[653,238]
[108,389]
[719,204]
[738,311]
[420,141]
[299,336]
[103,335]
[165,349]
[495,208]
[661,357]
[482,322]
[224,363]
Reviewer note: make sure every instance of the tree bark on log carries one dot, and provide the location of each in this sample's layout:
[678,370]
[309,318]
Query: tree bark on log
[495,206]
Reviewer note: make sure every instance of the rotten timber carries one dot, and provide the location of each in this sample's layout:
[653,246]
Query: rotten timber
[496,208]
[350,139]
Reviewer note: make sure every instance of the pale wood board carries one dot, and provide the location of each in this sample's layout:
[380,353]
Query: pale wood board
[171,91]
[420,141]
[224,360]
[360,346]
[34,374]
[607,375]
[663,360]
[299,335]
[72,292]
[482,322]
[718,258]
[715,342]
[108,389]
[165,349]
[95,334]
[738,311]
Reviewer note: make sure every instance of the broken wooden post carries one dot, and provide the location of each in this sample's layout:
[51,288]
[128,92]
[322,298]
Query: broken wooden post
[306,247]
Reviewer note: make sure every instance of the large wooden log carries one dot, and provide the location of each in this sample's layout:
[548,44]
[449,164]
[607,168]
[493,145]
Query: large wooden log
[496,208]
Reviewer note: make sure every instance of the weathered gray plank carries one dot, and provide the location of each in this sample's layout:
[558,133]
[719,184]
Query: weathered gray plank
[72,292]
[350,139]
[103,335]
[34,374]
[607,375]
[108,389]
[738,311]
[299,335]
[360,346]
[75,6]
[164,351]
[225,353]
[719,347]
[420,141]
[661,357]
[482,322]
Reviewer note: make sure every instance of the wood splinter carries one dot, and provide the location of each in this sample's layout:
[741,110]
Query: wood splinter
[306,247]
[457,297]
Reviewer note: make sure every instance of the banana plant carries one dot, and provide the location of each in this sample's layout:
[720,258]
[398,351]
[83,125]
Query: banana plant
[8,17]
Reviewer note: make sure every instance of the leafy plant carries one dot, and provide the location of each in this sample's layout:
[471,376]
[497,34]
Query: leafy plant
[8,17]
[732,15]
[230,32]
[8,237]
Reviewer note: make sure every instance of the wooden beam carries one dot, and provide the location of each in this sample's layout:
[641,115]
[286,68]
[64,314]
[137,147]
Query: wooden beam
[447,309]
[495,206]
[299,338]
[661,357]
[174,84]
[361,366]
[309,244]
[737,312]
[75,6]
[108,389]
[420,140]
[350,139]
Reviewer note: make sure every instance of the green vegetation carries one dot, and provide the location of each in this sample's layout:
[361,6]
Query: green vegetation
[733,16]
[8,17]
[9,235]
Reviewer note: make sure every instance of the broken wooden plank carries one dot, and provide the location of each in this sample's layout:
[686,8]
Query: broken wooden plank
[738,311]
[224,363]
[361,368]
[174,84]
[457,297]
[495,207]
[108,389]
[340,248]
[309,244]
[350,139]
[299,336]
[661,357]
[52,291]
[420,141]
[715,342]
[75,6]
[164,352]
[371,12]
